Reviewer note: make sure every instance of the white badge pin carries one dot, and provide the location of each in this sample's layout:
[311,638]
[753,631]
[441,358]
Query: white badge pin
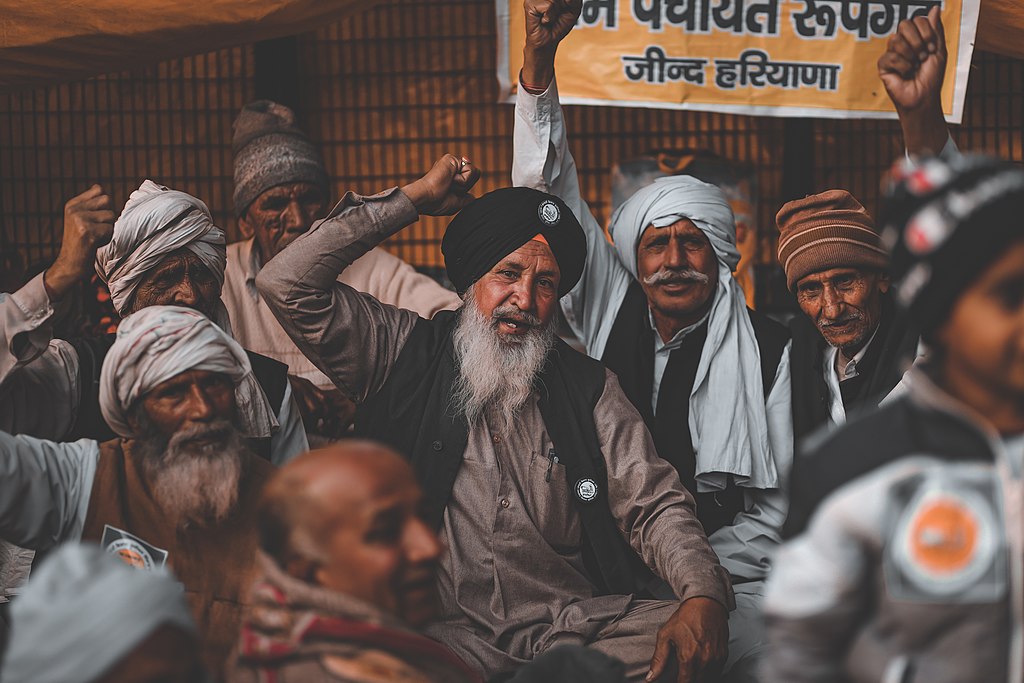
[586,490]
[549,212]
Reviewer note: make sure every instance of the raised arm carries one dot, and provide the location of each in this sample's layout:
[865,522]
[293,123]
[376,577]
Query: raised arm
[353,338]
[912,69]
[542,161]
[39,390]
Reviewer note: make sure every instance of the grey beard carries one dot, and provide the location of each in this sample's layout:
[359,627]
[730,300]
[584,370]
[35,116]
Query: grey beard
[196,483]
[494,371]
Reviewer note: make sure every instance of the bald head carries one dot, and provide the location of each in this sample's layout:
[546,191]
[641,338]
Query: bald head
[348,517]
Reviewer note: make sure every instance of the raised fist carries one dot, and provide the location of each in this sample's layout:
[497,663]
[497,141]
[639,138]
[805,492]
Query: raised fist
[444,189]
[914,64]
[88,225]
[549,21]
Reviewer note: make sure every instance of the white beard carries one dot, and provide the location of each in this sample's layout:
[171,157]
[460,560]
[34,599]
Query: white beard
[193,482]
[495,371]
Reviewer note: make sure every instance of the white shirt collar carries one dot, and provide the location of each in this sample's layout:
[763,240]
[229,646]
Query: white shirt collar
[850,371]
[677,339]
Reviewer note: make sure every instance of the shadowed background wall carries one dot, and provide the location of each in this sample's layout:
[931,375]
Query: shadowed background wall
[385,93]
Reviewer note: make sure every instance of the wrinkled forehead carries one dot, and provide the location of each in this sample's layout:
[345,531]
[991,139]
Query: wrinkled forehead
[292,190]
[534,254]
[684,229]
[183,260]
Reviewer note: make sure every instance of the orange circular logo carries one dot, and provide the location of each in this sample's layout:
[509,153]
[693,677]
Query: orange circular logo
[946,540]
[943,537]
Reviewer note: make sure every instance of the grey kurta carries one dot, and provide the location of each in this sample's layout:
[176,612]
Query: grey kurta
[512,579]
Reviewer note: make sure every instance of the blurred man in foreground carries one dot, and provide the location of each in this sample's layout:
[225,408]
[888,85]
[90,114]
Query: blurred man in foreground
[904,527]
[347,573]
[178,488]
[87,617]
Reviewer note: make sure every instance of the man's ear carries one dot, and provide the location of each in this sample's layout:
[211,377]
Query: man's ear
[245,226]
[137,417]
[883,282]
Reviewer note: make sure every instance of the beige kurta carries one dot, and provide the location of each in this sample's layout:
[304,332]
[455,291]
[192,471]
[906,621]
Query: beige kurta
[512,579]
[378,273]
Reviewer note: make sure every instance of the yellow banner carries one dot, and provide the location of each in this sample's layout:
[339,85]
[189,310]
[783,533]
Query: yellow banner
[763,57]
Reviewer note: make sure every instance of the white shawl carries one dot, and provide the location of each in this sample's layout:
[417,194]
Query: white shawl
[727,417]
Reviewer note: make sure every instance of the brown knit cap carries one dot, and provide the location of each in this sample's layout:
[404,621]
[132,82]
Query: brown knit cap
[827,230]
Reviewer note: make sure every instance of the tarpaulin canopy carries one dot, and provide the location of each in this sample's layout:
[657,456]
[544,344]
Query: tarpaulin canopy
[1001,27]
[43,42]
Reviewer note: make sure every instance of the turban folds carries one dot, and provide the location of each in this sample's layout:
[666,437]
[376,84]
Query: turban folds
[155,222]
[83,612]
[666,201]
[161,342]
[727,417]
[498,223]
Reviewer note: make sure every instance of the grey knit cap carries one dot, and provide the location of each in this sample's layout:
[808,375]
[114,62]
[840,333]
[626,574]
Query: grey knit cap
[270,150]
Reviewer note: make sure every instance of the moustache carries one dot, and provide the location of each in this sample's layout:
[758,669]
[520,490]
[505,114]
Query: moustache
[845,320]
[513,315]
[666,276]
[217,432]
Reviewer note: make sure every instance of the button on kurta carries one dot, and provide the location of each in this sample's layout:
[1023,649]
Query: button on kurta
[505,503]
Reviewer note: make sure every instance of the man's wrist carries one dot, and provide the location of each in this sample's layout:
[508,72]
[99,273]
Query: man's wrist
[416,193]
[924,128]
[57,282]
[538,69]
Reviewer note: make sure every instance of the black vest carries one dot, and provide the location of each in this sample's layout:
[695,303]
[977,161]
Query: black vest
[272,376]
[630,354]
[411,414]
[895,344]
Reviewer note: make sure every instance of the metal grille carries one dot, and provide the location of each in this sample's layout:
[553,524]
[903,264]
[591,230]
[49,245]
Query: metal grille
[854,154]
[170,123]
[385,93]
[390,91]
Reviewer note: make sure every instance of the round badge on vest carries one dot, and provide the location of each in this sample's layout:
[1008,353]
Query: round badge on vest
[586,490]
[549,213]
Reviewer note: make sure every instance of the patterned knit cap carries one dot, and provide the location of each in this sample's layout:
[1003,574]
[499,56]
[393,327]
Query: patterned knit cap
[270,150]
[824,231]
[946,221]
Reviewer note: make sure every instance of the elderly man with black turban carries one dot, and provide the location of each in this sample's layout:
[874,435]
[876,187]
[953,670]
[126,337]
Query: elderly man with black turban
[538,474]
[659,306]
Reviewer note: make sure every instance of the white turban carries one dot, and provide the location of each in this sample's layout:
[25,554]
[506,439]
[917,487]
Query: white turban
[161,342]
[155,222]
[728,422]
[83,612]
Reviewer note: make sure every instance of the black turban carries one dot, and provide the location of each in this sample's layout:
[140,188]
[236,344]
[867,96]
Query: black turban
[495,225]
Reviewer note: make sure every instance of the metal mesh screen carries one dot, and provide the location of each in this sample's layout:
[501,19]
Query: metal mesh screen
[854,154]
[385,93]
[390,91]
[170,123]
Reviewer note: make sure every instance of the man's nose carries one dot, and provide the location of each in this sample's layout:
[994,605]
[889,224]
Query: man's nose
[832,303]
[675,255]
[186,293]
[523,296]
[293,216]
[200,406]
[422,543]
